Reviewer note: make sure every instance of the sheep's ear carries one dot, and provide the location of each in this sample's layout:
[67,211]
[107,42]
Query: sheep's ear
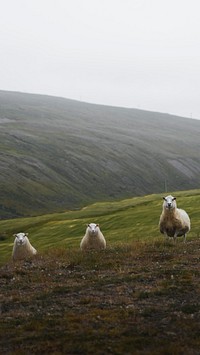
[163,198]
[26,234]
[174,198]
[97,225]
[14,235]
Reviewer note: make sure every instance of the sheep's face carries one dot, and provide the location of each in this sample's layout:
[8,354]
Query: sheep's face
[93,229]
[169,202]
[20,238]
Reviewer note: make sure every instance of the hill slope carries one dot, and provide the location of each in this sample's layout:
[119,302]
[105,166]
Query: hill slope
[124,221]
[140,295]
[59,154]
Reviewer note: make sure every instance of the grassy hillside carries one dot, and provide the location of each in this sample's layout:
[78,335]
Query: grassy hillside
[59,154]
[139,296]
[124,221]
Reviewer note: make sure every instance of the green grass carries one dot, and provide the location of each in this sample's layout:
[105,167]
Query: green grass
[123,221]
[139,296]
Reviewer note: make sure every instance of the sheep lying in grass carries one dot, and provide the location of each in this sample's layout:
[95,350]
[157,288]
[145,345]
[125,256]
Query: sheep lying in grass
[174,222]
[22,248]
[93,238]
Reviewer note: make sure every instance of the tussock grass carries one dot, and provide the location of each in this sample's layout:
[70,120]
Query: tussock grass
[140,297]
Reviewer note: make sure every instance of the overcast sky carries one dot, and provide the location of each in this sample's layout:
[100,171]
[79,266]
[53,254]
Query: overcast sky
[132,53]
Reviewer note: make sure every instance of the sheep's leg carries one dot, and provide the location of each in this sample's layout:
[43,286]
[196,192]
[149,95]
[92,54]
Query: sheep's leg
[175,237]
[184,236]
[166,237]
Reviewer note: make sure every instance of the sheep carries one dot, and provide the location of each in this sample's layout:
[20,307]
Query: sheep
[22,248]
[93,238]
[174,222]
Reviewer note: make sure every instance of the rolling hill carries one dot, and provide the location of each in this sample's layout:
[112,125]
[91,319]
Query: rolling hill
[59,154]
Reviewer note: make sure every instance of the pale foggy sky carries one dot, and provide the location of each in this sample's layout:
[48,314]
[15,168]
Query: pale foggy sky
[132,53]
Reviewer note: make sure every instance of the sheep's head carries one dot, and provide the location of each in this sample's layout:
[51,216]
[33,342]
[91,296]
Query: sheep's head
[169,202]
[93,229]
[20,238]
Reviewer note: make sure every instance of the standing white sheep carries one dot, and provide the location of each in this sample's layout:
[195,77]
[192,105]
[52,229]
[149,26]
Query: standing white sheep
[22,248]
[93,238]
[174,222]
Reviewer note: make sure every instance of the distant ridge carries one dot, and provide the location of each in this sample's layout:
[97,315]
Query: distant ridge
[59,154]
